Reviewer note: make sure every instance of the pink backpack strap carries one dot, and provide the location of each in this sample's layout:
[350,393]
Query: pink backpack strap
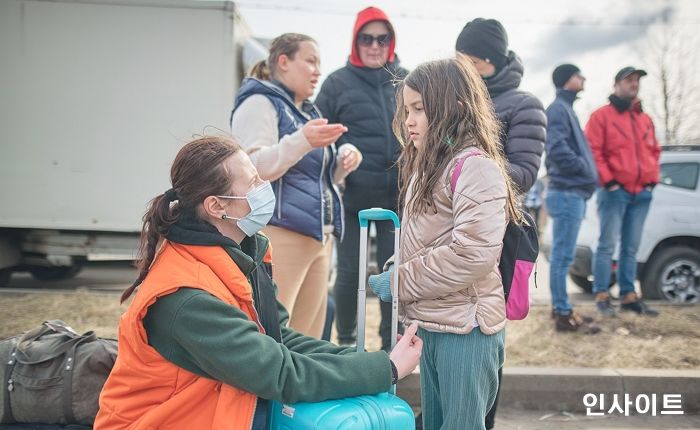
[458,169]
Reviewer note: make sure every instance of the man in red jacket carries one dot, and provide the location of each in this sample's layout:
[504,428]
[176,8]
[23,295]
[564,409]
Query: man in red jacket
[626,154]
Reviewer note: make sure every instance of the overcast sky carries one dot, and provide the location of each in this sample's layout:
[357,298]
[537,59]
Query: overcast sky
[600,36]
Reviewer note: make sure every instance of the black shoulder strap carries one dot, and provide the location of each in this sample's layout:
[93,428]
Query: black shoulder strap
[265,302]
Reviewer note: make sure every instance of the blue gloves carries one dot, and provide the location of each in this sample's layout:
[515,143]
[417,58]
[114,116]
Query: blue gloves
[381,284]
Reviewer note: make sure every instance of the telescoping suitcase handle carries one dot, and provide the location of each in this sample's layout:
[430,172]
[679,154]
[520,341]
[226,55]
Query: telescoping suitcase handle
[382,410]
[365,216]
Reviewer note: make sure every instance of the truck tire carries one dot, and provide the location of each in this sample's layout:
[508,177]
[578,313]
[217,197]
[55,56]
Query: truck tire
[5,275]
[582,282]
[673,274]
[55,273]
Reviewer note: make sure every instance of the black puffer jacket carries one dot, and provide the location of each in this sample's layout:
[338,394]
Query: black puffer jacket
[524,122]
[364,100]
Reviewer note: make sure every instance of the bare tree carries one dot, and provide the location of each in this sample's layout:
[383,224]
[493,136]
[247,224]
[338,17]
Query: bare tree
[671,58]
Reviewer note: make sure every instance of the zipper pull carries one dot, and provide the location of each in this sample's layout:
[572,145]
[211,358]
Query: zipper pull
[10,385]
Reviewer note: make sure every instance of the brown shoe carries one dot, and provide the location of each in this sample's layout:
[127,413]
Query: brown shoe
[629,298]
[572,323]
[582,319]
[603,305]
[599,297]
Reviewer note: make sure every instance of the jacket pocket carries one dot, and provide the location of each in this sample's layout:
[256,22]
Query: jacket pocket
[452,310]
[29,392]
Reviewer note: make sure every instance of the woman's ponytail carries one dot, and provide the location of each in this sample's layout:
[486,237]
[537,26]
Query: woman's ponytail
[155,225]
[260,71]
[287,44]
[198,171]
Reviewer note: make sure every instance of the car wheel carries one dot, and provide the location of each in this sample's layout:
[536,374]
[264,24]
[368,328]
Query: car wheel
[583,282]
[673,274]
[55,273]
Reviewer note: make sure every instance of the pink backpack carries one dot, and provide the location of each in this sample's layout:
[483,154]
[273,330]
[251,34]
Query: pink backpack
[520,249]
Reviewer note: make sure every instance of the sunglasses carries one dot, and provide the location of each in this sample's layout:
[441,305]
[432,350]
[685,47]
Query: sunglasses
[367,39]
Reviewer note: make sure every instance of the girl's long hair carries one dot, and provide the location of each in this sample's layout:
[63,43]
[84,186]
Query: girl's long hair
[460,114]
[197,172]
[287,44]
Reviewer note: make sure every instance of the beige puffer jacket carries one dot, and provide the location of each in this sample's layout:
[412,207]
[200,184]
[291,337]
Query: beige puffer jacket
[448,273]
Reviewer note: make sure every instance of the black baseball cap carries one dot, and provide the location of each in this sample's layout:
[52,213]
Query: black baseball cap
[629,70]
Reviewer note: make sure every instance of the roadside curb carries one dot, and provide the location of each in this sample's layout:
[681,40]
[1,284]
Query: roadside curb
[563,389]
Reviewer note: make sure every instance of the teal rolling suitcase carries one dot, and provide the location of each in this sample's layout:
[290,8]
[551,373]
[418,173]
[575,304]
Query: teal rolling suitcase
[384,411]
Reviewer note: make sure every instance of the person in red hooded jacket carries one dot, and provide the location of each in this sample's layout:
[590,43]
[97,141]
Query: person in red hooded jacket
[362,96]
[626,154]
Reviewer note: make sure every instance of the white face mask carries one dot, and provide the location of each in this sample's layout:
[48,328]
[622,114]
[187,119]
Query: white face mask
[262,205]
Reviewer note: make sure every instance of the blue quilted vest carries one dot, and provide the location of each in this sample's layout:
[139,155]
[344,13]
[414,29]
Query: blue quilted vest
[299,205]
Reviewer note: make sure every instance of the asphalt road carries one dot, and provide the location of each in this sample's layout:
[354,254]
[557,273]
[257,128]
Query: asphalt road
[106,277]
[515,419]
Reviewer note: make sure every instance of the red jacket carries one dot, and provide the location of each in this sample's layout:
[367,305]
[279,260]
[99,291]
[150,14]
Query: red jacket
[624,146]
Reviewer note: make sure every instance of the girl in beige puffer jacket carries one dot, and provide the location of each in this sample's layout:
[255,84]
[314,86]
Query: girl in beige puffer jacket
[451,242]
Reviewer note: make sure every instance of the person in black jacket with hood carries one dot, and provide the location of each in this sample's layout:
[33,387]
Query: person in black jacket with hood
[362,97]
[484,42]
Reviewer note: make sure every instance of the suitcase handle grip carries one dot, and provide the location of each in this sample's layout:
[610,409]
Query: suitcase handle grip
[377,214]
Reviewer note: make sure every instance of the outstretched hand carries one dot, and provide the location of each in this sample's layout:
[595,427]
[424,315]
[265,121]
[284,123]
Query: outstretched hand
[321,134]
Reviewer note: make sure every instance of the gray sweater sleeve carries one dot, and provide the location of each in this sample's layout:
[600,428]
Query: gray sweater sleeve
[254,124]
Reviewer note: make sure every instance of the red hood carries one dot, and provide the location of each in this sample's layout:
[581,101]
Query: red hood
[365,16]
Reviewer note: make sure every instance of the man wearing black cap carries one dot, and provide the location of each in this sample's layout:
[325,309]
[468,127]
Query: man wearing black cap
[485,43]
[572,180]
[624,146]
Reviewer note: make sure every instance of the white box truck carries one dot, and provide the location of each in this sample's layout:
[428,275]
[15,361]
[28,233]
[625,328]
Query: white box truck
[96,98]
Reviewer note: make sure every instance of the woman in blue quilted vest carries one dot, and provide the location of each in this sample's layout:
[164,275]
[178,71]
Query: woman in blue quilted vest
[294,148]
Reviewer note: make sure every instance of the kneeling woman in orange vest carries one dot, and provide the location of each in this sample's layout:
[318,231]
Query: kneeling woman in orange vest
[204,343]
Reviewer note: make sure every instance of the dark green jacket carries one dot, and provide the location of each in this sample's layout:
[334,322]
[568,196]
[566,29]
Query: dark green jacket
[208,337]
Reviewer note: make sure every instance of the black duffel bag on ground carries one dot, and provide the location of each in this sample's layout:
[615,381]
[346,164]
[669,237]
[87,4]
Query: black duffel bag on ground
[53,375]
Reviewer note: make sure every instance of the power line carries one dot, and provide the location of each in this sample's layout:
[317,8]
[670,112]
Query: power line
[459,16]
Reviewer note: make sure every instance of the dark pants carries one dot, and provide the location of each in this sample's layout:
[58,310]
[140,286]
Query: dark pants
[491,416]
[345,290]
[330,314]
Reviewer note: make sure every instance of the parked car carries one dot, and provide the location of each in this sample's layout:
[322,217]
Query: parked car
[669,252]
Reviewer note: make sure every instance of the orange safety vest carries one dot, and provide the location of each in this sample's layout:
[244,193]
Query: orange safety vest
[146,391]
